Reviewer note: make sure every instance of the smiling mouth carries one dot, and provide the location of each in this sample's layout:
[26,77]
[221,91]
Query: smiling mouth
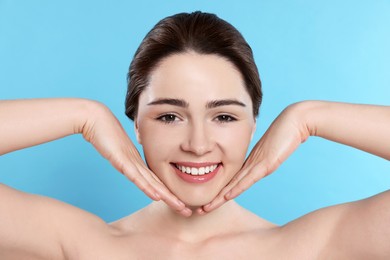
[197,171]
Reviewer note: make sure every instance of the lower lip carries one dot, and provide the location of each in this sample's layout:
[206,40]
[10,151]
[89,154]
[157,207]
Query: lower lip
[197,178]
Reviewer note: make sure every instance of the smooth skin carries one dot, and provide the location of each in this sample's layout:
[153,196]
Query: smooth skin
[188,126]
[223,229]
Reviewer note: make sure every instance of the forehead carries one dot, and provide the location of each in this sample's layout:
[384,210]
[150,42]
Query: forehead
[192,75]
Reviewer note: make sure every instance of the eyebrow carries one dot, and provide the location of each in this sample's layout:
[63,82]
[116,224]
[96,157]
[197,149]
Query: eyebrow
[224,102]
[170,101]
[184,104]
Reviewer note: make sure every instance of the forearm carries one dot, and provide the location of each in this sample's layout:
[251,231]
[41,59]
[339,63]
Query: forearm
[25,123]
[366,127]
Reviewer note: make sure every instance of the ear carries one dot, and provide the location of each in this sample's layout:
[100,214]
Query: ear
[136,130]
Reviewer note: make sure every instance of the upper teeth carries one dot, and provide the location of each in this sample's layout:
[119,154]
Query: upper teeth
[197,171]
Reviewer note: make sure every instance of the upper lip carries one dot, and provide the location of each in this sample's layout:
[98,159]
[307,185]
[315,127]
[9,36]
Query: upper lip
[196,164]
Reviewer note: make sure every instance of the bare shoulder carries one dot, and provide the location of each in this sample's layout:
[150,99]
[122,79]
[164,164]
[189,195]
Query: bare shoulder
[355,230]
[37,227]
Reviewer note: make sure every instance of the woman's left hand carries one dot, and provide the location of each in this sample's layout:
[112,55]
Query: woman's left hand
[284,135]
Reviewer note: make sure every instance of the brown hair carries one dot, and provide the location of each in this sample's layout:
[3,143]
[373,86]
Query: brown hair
[202,33]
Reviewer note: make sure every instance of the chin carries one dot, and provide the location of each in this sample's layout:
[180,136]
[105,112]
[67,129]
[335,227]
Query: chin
[195,204]
[195,200]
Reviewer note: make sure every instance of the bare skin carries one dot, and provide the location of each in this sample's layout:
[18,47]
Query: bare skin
[169,228]
[55,230]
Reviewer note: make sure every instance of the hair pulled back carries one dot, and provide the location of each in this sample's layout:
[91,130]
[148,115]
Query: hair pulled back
[199,32]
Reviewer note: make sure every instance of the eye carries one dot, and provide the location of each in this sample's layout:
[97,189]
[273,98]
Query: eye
[225,118]
[168,118]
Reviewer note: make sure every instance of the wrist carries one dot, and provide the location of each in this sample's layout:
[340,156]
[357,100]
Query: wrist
[306,114]
[86,113]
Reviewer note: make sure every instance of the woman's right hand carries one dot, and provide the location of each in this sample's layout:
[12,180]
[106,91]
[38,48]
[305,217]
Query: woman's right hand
[106,134]
[30,122]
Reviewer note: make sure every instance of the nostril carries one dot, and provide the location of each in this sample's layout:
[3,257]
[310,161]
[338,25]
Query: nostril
[198,140]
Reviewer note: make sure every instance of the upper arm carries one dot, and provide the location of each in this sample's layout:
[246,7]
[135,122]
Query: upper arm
[355,230]
[36,227]
[364,229]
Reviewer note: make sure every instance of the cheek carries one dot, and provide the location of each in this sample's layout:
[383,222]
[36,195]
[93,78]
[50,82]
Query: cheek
[235,141]
[158,143]
[234,146]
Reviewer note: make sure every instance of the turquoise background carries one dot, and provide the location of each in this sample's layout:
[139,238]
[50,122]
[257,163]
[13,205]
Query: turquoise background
[329,50]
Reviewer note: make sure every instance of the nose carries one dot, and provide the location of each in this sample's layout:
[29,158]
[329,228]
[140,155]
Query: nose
[198,140]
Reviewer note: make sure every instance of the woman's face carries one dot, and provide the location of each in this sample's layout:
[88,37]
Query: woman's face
[195,123]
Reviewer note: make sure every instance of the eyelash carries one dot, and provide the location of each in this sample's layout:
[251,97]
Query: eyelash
[225,119]
[164,118]
[171,118]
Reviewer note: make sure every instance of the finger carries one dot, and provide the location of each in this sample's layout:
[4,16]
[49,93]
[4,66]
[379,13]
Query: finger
[200,211]
[186,212]
[221,198]
[144,185]
[157,191]
[215,203]
[152,186]
[170,199]
[133,173]
[163,192]
[254,175]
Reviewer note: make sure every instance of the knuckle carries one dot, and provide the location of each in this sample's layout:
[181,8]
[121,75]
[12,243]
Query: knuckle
[133,179]
[254,179]
[140,185]
[241,186]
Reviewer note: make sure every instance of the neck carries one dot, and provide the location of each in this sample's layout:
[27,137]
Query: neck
[226,219]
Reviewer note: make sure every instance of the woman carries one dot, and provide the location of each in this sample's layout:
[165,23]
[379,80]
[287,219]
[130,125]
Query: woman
[194,95]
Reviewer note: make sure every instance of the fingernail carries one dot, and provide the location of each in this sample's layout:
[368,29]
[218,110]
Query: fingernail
[201,212]
[207,205]
[228,195]
[187,212]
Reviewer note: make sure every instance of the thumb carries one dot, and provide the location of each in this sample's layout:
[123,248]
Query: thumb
[256,173]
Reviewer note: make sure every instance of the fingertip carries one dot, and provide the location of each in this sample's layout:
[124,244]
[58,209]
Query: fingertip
[153,195]
[174,202]
[200,211]
[186,212]
[207,207]
[213,205]
[157,197]
[228,195]
[232,194]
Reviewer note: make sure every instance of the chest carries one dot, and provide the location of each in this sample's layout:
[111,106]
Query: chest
[155,247]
